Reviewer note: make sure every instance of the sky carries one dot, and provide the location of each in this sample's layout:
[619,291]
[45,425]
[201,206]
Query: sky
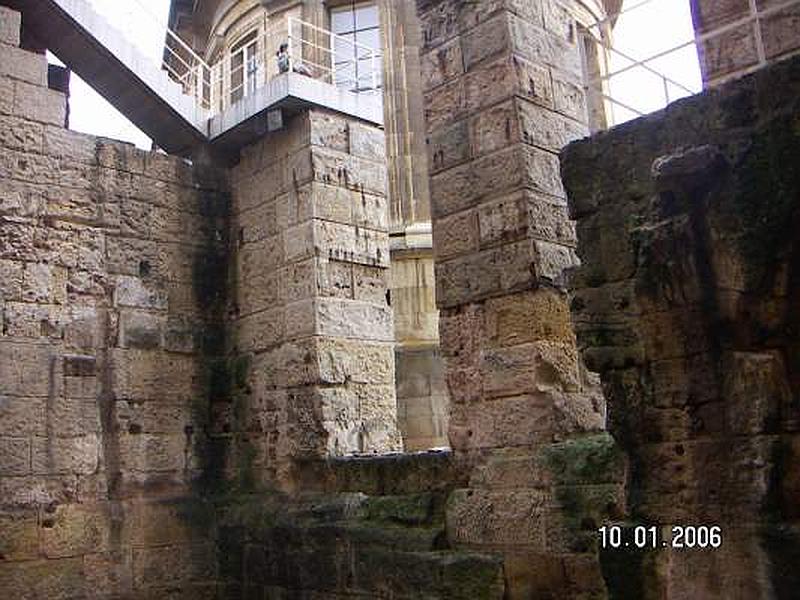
[641,32]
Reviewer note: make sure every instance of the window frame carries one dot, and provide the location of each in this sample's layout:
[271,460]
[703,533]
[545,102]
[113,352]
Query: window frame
[375,73]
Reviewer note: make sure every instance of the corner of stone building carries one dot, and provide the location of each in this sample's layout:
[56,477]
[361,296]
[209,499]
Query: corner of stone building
[502,96]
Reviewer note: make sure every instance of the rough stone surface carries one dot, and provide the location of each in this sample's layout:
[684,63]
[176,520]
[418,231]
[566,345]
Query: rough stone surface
[500,101]
[310,312]
[98,426]
[686,304]
[730,50]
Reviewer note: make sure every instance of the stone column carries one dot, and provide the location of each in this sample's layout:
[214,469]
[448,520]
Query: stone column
[312,328]
[502,83]
[739,42]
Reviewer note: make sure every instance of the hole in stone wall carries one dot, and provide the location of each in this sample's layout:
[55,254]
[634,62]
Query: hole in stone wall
[144,268]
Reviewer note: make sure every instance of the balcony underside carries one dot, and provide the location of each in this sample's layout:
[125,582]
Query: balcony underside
[246,120]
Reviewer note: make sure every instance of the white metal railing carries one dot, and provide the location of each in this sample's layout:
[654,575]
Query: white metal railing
[148,32]
[631,86]
[309,50]
[297,46]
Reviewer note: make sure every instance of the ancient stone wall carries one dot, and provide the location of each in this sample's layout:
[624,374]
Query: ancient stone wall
[502,96]
[312,329]
[103,355]
[687,304]
[738,41]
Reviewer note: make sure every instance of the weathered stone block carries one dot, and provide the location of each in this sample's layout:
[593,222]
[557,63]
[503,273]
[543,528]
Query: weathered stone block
[528,317]
[10,280]
[441,65]
[23,368]
[151,452]
[21,134]
[367,142]
[729,51]
[507,518]
[353,319]
[488,39]
[262,329]
[23,65]
[69,455]
[10,24]
[448,146]
[138,329]
[445,104]
[15,456]
[456,235]
[57,579]
[163,567]
[540,46]
[39,103]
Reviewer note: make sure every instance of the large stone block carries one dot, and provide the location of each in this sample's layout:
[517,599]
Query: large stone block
[10,24]
[57,579]
[21,134]
[353,319]
[367,141]
[39,103]
[28,369]
[15,456]
[448,146]
[441,65]
[504,518]
[488,39]
[68,455]
[25,66]
[329,130]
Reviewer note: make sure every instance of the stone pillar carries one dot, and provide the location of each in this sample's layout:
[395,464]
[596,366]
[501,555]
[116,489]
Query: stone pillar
[502,83]
[312,328]
[741,41]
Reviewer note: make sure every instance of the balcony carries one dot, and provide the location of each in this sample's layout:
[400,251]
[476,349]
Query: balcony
[251,88]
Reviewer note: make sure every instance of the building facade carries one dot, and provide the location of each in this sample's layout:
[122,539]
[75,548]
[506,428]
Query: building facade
[244,38]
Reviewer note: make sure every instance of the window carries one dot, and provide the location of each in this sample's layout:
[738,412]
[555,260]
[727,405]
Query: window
[243,67]
[357,62]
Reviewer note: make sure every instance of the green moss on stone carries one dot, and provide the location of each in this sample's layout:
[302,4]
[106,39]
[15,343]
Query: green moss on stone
[591,458]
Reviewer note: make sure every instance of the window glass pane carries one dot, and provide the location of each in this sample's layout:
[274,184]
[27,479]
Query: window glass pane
[345,74]
[342,21]
[365,74]
[248,38]
[343,48]
[366,16]
[371,39]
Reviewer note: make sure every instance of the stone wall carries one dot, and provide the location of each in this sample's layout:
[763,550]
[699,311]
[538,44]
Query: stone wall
[362,528]
[502,84]
[312,329]
[687,304]
[740,43]
[102,351]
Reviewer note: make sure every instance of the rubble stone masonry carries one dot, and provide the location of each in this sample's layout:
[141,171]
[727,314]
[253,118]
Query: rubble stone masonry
[687,303]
